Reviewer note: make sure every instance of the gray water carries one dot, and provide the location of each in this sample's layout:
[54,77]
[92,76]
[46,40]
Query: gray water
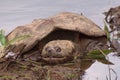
[19,12]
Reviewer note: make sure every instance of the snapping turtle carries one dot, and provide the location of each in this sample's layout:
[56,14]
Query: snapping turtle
[73,28]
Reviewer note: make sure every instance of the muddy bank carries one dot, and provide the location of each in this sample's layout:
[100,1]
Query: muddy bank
[31,70]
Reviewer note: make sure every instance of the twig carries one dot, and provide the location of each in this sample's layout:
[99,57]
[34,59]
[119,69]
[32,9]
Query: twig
[109,72]
[106,77]
[6,66]
[115,73]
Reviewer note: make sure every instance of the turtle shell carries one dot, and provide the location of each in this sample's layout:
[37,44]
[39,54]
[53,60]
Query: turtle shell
[41,28]
[77,22]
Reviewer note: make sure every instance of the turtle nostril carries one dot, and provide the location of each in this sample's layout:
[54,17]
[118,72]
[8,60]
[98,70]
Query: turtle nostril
[49,51]
[47,48]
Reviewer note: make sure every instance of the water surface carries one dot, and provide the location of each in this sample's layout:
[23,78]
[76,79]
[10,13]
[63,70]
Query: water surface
[19,12]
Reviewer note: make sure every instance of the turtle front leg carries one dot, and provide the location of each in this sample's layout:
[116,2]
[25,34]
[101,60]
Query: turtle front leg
[96,45]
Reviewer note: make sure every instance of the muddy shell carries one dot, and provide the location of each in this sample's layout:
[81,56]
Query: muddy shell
[64,26]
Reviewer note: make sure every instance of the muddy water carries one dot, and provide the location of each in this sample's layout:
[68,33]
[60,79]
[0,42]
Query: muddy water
[18,12]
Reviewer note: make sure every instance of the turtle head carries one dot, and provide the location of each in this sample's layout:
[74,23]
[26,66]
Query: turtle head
[57,50]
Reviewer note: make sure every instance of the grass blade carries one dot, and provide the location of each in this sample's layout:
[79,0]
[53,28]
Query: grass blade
[96,54]
[107,31]
[19,38]
[2,38]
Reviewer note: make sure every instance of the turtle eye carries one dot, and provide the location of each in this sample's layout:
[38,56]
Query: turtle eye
[58,49]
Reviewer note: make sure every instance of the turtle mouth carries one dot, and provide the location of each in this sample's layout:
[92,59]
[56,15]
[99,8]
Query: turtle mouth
[55,60]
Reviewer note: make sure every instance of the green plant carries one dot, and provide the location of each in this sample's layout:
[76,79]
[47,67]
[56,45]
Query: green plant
[2,38]
[70,76]
[97,54]
[107,31]
[6,43]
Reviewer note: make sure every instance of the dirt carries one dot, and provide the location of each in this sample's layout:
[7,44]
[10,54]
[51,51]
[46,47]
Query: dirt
[33,70]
